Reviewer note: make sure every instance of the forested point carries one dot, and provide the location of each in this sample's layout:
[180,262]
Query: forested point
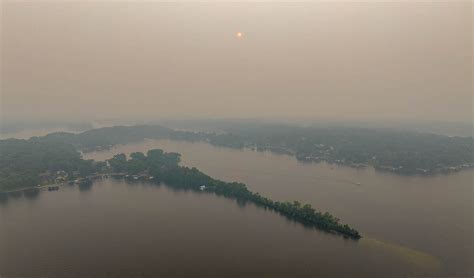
[160,166]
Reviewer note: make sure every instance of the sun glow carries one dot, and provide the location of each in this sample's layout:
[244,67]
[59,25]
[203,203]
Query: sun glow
[239,34]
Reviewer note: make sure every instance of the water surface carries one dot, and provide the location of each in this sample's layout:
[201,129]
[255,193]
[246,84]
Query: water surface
[413,226]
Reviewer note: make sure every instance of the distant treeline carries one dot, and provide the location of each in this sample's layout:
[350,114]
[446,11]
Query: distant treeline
[163,167]
[17,126]
[397,151]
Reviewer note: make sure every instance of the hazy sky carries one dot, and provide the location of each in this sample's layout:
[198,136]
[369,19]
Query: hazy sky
[345,60]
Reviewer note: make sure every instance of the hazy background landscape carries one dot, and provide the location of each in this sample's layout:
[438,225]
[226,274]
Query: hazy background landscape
[389,61]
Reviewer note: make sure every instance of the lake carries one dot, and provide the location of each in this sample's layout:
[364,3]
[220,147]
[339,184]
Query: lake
[412,226]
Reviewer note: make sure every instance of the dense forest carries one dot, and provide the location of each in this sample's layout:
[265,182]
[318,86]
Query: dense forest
[400,152]
[27,163]
[163,167]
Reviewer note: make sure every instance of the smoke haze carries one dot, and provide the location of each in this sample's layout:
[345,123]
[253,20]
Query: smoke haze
[323,60]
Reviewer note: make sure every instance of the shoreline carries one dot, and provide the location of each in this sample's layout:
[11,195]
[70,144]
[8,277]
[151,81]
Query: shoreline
[378,168]
[93,177]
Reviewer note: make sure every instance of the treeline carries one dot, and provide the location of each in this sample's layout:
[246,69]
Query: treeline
[397,151]
[102,138]
[163,167]
[26,163]
[402,152]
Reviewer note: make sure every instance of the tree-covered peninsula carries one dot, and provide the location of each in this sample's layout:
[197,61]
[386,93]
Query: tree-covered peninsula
[164,167]
[29,163]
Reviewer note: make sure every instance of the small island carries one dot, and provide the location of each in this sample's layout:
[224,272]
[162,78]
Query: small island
[27,164]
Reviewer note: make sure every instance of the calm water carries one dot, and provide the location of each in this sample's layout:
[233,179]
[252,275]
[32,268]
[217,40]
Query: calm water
[413,226]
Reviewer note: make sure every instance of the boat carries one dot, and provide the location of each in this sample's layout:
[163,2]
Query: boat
[85,182]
